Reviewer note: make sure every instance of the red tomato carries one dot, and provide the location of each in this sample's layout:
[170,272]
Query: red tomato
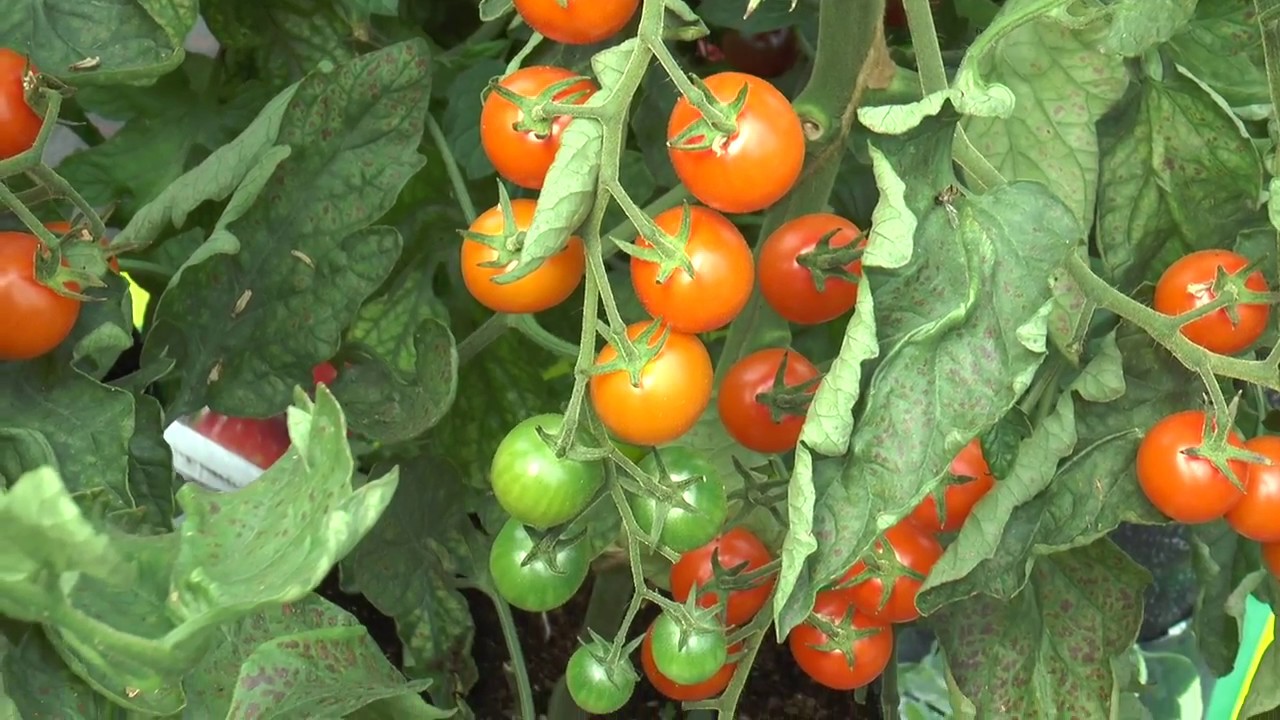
[767,54]
[734,547]
[723,271]
[684,693]
[915,549]
[577,22]
[547,286]
[1188,284]
[744,417]
[675,387]
[1271,556]
[261,441]
[831,668]
[19,124]
[325,373]
[35,319]
[959,497]
[789,287]
[1187,489]
[1257,516]
[756,165]
[524,157]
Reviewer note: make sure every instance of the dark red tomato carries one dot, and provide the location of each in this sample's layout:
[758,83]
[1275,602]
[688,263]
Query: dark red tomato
[34,319]
[756,165]
[914,548]
[960,497]
[735,547]
[19,124]
[766,54]
[577,22]
[521,156]
[547,286]
[1187,489]
[1257,516]
[831,668]
[1188,284]
[789,287]
[745,418]
[325,373]
[261,441]
[723,271]
[1271,557]
[684,693]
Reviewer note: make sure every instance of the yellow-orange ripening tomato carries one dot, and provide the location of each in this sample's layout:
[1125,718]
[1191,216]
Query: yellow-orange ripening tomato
[547,286]
[723,271]
[524,156]
[577,22]
[756,165]
[674,389]
[1188,284]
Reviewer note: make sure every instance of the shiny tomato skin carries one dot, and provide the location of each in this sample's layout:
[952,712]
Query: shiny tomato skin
[914,548]
[35,319]
[747,420]
[754,167]
[766,54]
[831,668]
[675,387]
[523,157]
[325,373]
[1271,558]
[579,22]
[534,584]
[594,686]
[1257,516]
[549,285]
[19,124]
[674,690]
[261,441]
[789,287]
[1188,490]
[723,272]
[1187,284]
[533,485]
[734,547]
[683,529]
[960,497]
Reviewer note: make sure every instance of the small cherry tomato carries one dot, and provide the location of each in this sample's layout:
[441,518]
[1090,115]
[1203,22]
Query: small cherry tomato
[683,529]
[789,287]
[577,22]
[547,286]
[524,156]
[915,550]
[767,54]
[596,686]
[261,441]
[1271,557]
[1187,489]
[34,319]
[746,418]
[532,484]
[684,693]
[675,387]
[959,497]
[723,271]
[688,655]
[754,166]
[19,124]
[1257,516]
[535,584]
[1188,284]
[832,668]
[733,548]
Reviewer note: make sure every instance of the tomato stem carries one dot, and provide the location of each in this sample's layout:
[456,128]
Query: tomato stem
[460,191]
[523,689]
[924,42]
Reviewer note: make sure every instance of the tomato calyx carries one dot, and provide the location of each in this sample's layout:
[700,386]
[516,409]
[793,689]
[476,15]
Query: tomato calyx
[71,262]
[725,581]
[842,633]
[539,113]
[881,564]
[763,486]
[613,659]
[785,400]
[666,251]
[547,546]
[824,262]
[1227,292]
[717,121]
[633,355]
[1218,451]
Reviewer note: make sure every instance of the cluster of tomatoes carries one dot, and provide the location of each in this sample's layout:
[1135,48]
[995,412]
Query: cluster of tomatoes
[1178,481]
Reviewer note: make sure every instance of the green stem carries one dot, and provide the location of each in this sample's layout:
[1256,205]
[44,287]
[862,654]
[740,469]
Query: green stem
[975,164]
[890,698]
[31,157]
[11,201]
[523,688]
[713,114]
[532,329]
[924,40]
[460,190]
[490,330]
[46,176]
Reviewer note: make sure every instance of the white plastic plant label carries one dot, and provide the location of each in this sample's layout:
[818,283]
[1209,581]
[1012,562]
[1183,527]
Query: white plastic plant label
[223,453]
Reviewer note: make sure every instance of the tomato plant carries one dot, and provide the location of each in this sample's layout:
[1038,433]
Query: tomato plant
[261,441]
[758,411]
[687,655]
[1188,284]
[36,319]
[764,54]
[577,22]
[790,269]
[914,552]
[750,168]
[675,691]
[21,123]
[533,485]
[674,388]
[547,286]
[723,273]
[736,550]
[683,528]
[958,497]
[1186,488]
[520,151]
[535,582]
[833,663]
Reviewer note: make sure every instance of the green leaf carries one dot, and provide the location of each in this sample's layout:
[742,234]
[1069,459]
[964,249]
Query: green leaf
[248,326]
[1139,25]
[1221,562]
[282,40]
[1264,689]
[103,331]
[1157,201]
[1072,313]
[1223,47]
[302,660]
[491,10]
[461,118]
[1047,652]
[1002,441]
[39,684]
[152,482]
[1062,84]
